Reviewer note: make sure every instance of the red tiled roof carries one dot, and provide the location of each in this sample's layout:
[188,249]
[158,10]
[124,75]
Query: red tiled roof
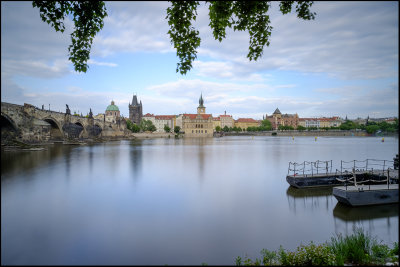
[165,117]
[246,120]
[225,115]
[307,119]
[148,115]
[194,116]
[216,119]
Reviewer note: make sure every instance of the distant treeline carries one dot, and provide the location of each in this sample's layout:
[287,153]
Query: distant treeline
[370,127]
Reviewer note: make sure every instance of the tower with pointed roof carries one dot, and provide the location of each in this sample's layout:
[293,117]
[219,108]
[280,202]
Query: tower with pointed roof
[135,110]
[201,109]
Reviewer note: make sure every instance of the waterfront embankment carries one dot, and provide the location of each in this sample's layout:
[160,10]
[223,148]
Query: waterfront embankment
[305,133]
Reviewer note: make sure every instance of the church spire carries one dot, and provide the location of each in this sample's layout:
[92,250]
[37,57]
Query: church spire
[201,101]
[201,109]
[134,100]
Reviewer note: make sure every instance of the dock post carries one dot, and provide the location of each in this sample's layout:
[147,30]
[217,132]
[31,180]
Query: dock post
[366,165]
[312,172]
[383,171]
[388,178]
[326,163]
[341,163]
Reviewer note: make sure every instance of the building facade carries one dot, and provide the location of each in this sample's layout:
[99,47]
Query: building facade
[162,120]
[244,123]
[200,124]
[135,110]
[277,119]
[216,122]
[227,120]
[320,122]
[159,121]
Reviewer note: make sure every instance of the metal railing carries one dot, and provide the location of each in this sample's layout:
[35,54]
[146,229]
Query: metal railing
[368,165]
[312,168]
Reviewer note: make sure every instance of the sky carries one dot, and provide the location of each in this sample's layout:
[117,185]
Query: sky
[343,63]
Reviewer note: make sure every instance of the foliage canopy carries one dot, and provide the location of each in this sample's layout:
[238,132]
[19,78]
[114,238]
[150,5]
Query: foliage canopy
[250,16]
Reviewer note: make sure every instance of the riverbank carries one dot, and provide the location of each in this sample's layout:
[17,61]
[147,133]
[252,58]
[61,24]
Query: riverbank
[359,248]
[333,133]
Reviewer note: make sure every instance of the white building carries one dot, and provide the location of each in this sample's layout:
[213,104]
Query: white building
[159,121]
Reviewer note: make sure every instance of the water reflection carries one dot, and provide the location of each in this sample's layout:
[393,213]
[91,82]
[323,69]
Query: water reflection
[309,198]
[193,200]
[14,162]
[135,158]
[374,219]
[350,214]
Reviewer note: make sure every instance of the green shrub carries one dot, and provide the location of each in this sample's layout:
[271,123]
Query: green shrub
[268,257]
[395,250]
[354,248]
[238,261]
[312,254]
[380,253]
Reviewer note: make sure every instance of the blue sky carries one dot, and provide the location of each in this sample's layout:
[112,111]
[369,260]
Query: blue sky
[345,62]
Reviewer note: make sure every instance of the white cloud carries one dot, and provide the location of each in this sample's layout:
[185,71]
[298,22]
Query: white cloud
[225,70]
[35,68]
[133,27]
[108,64]
[347,40]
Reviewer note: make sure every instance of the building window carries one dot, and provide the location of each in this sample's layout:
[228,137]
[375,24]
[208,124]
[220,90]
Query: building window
[206,131]
[192,131]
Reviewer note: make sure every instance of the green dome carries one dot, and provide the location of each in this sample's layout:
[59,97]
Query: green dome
[112,107]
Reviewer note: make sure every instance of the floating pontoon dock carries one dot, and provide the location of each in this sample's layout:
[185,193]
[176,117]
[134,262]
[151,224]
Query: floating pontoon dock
[367,194]
[319,173]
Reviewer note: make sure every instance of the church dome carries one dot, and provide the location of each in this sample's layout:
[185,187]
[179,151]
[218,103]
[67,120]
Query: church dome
[112,107]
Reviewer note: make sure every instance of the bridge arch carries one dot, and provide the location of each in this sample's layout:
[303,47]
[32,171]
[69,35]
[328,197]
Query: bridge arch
[56,131]
[6,121]
[95,130]
[81,130]
[9,129]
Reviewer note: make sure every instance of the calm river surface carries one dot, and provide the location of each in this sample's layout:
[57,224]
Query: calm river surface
[177,201]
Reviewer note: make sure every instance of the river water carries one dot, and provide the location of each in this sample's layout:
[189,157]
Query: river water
[177,201]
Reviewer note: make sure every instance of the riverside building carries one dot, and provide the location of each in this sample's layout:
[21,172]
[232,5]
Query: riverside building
[277,119]
[200,124]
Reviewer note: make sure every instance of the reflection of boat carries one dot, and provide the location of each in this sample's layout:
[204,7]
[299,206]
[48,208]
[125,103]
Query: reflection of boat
[347,213]
[310,198]
[308,192]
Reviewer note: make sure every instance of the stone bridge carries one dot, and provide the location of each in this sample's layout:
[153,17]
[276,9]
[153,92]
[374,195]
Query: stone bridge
[30,124]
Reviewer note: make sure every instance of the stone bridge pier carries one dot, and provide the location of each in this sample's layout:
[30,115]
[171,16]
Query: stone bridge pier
[30,124]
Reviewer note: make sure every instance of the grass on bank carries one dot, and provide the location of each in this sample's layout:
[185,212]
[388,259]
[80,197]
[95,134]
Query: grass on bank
[356,249]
